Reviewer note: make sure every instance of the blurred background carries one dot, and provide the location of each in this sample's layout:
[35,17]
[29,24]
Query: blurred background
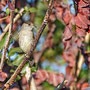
[59,48]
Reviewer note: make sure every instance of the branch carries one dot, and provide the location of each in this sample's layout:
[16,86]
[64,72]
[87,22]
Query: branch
[14,21]
[7,41]
[46,44]
[81,59]
[29,54]
[75,7]
[3,18]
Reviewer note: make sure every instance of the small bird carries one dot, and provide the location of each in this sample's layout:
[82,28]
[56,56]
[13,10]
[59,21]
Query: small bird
[26,37]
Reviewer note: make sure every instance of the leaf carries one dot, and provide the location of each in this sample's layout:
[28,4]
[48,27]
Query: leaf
[83,7]
[53,78]
[50,54]
[11,6]
[2,42]
[0,55]
[24,68]
[3,76]
[32,9]
[7,11]
[26,8]
[82,21]
[14,50]
[18,78]
[18,60]
[80,32]
[85,86]
[67,16]
[70,56]
[67,36]
[34,68]
[12,71]
[47,85]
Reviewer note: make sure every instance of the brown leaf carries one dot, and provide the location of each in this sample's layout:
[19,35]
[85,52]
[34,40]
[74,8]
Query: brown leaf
[84,85]
[69,57]
[83,7]
[11,6]
[67,16]
[86,1]
[69,75]
[59,12]
[82,21]
[3,76]
[51,77]
[79,41]
[80,32]
[67,36]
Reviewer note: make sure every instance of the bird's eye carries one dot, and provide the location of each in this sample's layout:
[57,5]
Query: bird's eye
[29,24]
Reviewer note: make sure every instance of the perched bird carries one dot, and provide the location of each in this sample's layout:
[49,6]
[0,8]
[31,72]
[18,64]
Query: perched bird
[25,37]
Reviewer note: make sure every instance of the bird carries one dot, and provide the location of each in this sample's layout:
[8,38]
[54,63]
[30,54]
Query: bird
[25,37]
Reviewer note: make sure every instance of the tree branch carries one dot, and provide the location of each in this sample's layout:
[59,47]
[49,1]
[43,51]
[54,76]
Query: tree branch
[29,54]
[7,41]
[14,21]
[81,59]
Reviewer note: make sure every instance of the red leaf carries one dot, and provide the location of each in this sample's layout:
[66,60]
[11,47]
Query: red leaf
[84,8]
[69,57]
[52,17]
[89,61]
[51,77]
[2,4]
[82,21]
[87,1]
[69,75]
[67,36]
[24,80]
[3,76]
[59,12]
[80,32]
[67,33]
[67,16]
[79,41]
[11,6]
[84,85]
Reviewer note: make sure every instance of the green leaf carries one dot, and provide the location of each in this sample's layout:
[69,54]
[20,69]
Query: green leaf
[16,10]
[11,70]
[18,78]
[2,42]
[14,50]
[24,68]
[34,68]
[32,9]
[0,55]
[50,54]
[18,60]
[47,85]
[7,11]
[26,8]
[9,62]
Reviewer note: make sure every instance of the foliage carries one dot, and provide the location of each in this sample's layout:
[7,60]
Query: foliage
[63,37]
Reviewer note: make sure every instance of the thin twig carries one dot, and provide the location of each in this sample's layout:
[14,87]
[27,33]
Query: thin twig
[7,41]
[3,18]
[14,21]
[29,54]
[75,7]
[44,46]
